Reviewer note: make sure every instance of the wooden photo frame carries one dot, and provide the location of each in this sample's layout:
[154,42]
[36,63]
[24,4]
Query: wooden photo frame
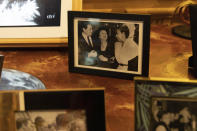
[106,52]
[39,36]
[193,28]
[146,88]
[83,101]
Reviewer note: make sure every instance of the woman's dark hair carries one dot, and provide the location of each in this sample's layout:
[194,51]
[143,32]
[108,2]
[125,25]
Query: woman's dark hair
[100,29]
[161,113]
[124,29]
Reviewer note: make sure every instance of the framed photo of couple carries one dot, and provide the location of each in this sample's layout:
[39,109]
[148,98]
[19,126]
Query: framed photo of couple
[165,104]
[109,44]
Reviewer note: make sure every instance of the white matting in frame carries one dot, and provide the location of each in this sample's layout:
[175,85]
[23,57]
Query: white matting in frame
[109,44]
[97,22]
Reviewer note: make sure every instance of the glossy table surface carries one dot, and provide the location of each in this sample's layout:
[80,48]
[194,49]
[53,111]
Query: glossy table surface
[168,59]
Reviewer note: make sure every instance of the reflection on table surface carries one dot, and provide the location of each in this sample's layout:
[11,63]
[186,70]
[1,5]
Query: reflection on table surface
[168,58]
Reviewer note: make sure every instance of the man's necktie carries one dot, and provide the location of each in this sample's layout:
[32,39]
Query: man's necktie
[89,41]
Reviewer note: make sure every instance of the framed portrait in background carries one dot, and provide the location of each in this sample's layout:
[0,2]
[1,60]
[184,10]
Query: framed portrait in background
[32,23]
[193,27]
[76,109]
[154,98]
[173,113]
[109,44]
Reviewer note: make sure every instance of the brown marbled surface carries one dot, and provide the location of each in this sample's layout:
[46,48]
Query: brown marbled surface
[168,58]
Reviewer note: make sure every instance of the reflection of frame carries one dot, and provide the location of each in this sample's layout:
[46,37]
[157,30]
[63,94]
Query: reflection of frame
[45,24]
[91,101]
[173,114]
[109,44]
[51,120]
[145,89]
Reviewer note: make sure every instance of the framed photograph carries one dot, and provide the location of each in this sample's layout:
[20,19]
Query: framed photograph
[51,120]
[193,27]
[147,89]
[90,101]
[109,44]
[35,22]
[173,114]
[76,108]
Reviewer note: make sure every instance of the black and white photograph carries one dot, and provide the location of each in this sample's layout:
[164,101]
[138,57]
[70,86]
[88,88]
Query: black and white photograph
[193,30]
[111,45]
[54,120]
[26,19]
[86,104]
[157,99]
[173,114]
[30,12]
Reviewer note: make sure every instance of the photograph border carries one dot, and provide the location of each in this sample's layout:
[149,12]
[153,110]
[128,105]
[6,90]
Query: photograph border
[72,15]
[92,100]
[146,88]
[40,42]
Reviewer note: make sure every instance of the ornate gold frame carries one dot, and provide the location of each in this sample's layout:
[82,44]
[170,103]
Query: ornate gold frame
[40,42]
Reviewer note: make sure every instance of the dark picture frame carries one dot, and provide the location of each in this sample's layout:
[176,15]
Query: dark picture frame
[146,88]
[193,28]
[173,113]
[92,101]
[108,51]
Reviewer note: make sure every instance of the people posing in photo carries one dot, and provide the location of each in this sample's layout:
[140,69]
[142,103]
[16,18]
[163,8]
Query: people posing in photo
[126,49]
[185,119]
[23,124]
[164,121]
[41,124]
[86,51]
[104,48]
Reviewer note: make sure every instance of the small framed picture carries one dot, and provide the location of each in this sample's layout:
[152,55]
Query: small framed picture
[109,44]
[193,28]
[147,89]
[74,109]
[51,120]
[173,114]
[85,103]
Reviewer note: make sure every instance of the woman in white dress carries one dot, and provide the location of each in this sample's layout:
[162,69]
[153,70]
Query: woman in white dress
[126,48]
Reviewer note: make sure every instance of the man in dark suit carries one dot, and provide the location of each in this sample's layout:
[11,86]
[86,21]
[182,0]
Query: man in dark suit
[87,53]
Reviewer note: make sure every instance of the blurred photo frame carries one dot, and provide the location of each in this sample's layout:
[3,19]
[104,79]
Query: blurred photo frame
[45,25]
[148,88]
[109,44]
[51,120]
[1,64]
[193,27]
[85,105]
[173,113]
